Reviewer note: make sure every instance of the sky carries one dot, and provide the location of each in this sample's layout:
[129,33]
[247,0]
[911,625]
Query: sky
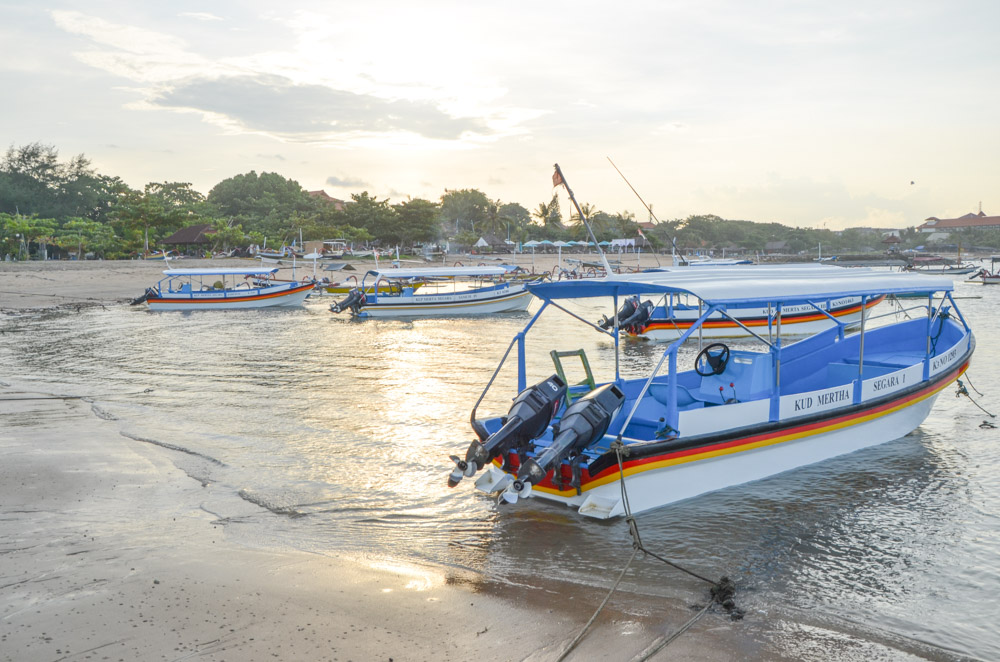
[811,114]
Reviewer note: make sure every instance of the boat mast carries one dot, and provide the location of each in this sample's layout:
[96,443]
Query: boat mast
[558,179]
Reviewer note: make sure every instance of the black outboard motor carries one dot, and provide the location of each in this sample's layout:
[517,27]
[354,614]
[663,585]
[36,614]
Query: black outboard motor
[632,316]
[354,300]
[527,419]
[150,292]
[583,423]
[635,323]
[630,305]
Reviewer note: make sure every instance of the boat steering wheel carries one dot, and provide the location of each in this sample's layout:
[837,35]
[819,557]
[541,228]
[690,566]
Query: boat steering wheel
[712,360]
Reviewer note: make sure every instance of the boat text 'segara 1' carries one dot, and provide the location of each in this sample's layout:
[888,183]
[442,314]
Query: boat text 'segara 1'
[738,415]
[444,291]
[223,289]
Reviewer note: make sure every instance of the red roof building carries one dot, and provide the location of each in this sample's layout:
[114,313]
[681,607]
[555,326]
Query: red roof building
[969,221]
[322,195]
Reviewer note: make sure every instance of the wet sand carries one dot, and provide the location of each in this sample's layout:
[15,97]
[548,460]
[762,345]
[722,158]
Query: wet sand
[110,553]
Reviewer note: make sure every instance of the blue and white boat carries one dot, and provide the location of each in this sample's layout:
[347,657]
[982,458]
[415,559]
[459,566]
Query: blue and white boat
[223,289]
[442,291]
[628,445]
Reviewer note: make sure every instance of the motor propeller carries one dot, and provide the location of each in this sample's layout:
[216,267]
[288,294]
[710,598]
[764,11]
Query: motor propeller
[527,419]
[583,423]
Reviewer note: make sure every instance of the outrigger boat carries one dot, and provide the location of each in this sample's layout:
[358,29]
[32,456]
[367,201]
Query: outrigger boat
[986,276]
[629,445]
[674,315]
[223,289]
[446,291]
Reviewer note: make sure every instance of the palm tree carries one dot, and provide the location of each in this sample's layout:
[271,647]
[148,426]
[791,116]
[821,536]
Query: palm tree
[549,215]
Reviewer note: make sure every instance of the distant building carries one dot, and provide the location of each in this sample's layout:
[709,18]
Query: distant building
[322,195]
[969,221]
[773,247]
[192,235]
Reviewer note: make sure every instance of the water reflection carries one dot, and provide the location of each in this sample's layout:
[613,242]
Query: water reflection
[333,436]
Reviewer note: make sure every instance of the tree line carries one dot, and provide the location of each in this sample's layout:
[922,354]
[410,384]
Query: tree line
[52,206]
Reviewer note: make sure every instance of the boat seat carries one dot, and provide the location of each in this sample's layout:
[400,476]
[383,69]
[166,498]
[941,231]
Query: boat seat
[749,372]
[661,393]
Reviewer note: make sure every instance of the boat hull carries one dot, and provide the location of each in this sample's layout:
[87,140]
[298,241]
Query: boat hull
[803,320]
[438,305]
[231,300]
[742,455]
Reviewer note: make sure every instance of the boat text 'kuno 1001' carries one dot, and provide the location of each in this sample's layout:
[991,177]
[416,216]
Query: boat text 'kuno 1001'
[738,415]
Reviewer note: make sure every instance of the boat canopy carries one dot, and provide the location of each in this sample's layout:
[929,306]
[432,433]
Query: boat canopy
[750,284]
[257,271]
[437,272]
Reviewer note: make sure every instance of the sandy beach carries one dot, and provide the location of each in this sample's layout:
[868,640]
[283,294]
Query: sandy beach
[111,553]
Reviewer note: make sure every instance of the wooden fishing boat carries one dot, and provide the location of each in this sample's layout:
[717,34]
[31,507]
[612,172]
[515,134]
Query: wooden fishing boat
[446,291]
[223,289]
[989,276]
[629,445]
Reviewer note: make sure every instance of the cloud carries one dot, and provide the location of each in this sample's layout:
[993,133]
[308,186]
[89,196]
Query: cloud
[275,105]
[200,16]
[346,182]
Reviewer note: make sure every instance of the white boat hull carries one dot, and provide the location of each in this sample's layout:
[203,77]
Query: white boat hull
[517,299]
[228,300]
[659,487]
[804,320]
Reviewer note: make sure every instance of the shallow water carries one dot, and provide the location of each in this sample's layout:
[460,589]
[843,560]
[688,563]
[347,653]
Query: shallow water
[316,432]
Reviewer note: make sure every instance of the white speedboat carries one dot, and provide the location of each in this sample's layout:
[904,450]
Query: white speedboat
[612,446]
[223,289]
[675,314]
[442,291]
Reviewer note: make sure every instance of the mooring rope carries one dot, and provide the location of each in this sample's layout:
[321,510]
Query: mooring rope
[968,379]
[963,391]
[722,591]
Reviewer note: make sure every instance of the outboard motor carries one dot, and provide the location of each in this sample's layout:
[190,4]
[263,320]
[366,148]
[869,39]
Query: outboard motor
[632,316]
[583,423]
[150,292]
[635,323]
[353,301]
[629,306]
[527,419]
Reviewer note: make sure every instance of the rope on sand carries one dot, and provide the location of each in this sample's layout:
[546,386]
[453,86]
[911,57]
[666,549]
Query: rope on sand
[722,591]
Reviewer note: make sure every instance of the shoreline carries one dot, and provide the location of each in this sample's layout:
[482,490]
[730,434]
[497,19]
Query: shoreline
[68,284]
[111,552]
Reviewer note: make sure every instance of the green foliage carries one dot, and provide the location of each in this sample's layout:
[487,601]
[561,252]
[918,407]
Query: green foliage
[163,208]
[416,221]
[263,203]
[463,210]
[549,216]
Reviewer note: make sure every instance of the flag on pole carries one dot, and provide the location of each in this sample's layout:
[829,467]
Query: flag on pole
[639,230]
[557,179]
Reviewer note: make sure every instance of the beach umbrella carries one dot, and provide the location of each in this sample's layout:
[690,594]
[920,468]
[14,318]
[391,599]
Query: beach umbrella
[482,243]
[605,243]
[559,244]
[531,243]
